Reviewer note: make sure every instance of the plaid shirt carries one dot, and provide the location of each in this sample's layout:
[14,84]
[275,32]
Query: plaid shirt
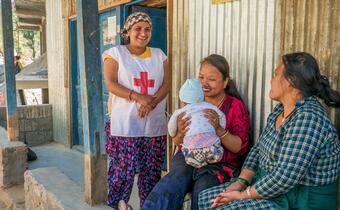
[304,150]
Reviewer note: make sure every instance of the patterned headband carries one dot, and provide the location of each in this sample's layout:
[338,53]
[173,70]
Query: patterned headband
[132,19]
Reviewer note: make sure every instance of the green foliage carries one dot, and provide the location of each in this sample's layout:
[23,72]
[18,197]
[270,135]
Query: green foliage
[26,43]
[30,37]
[15,32]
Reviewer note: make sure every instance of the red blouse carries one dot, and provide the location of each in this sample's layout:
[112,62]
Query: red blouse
[238,124]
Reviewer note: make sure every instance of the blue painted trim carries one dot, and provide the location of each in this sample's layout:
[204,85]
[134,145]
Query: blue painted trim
[113,12]
[90,77]
[126,8]
[77,137]
[7,34]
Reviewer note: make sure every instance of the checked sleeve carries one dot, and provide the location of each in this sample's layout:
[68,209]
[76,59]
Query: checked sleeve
[300,145]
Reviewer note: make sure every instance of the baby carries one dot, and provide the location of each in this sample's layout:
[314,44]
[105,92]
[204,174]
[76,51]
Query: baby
[201,145]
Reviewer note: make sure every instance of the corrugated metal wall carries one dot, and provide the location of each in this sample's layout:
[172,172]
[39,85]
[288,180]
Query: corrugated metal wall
[245,32]
[179,48]
[314,27]
[56,48]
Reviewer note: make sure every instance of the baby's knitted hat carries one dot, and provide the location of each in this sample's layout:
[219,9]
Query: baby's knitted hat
[191,91]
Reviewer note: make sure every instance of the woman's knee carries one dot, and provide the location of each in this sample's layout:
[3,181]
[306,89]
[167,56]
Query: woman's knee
[178,164]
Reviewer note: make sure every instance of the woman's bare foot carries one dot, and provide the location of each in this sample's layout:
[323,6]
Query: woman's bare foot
[124,206]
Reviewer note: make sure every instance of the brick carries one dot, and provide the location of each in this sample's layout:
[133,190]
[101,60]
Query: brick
[22,136]
[43,123]
[28,125]
[21,124]
[34,138]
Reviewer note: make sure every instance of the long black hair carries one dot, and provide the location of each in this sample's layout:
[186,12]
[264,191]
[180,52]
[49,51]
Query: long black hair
[222,65]
[302,71]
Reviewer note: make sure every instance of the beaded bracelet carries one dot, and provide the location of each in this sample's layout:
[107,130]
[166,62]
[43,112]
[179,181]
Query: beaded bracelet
[244,181]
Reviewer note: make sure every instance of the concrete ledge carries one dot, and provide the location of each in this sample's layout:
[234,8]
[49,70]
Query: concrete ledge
[13,197]
[13,155]
[49,188]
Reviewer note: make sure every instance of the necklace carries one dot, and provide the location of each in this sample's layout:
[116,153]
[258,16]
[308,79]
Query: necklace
[221,102]
[285,117]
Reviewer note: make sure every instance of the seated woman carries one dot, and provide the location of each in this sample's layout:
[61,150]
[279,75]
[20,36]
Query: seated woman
[296,160]
[219,90]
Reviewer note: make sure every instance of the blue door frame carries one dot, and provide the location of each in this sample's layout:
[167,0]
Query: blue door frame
[76,116]
[77,127]
[104,19]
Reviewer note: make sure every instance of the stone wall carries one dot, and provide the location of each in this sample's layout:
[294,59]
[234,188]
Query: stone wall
[35,123]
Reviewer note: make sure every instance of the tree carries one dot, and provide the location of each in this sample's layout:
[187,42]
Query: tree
[30,40]
[26,43]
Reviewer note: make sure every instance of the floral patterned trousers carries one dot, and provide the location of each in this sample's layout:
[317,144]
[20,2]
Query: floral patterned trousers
[127,156]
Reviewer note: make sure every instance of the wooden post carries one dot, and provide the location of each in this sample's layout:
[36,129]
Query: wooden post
[22,97]
[44,95]
[11,100]
[43,36]
[95,162]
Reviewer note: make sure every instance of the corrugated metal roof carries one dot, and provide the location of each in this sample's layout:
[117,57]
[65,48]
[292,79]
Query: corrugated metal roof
[34,71]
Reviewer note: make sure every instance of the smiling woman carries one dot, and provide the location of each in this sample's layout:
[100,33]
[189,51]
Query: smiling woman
[138,79]
[219,90]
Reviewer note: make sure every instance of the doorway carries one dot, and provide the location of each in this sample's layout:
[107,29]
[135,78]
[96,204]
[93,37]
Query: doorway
[108,24]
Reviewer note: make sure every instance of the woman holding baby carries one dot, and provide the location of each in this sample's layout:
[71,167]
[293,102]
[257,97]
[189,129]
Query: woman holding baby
[219,90]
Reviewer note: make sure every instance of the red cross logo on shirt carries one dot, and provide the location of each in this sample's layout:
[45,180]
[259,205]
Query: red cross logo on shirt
[144,83]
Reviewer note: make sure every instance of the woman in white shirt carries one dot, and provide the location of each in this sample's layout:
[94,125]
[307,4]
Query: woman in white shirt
[139,79]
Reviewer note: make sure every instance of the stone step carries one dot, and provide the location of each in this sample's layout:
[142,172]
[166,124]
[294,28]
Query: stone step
[49,188]
[12,198]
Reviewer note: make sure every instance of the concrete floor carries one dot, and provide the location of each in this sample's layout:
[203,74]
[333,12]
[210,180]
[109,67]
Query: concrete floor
[71,163]
[2,205]
[53,154]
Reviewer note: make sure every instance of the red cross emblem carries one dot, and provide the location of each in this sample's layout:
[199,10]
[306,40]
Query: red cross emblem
[144,83]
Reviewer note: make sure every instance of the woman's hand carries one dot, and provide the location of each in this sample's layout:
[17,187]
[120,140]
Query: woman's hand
[182,127]
[145,100]
[225,198]
[235,186]
[214,120]
[182,124]
[144,110]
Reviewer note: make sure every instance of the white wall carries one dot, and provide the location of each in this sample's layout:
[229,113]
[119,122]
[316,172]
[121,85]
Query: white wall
[56,61]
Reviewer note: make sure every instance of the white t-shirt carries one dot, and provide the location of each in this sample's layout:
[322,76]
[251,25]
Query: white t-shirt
[143,75]
[199,123]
